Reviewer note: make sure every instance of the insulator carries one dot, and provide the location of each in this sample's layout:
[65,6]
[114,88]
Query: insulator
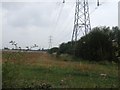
[63,1]
[98,4]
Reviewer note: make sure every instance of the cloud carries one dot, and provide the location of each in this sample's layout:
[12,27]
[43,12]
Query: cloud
[29,22]
[0,26]
[29,14]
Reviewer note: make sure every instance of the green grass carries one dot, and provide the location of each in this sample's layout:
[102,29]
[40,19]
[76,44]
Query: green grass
[22,75]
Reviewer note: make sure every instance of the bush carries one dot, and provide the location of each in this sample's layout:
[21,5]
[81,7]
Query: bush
[10,73]
[53,50]
[95,46]
[101,43]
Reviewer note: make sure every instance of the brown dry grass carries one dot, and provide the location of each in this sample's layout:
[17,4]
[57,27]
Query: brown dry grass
[54,70]
[0,57]
[46,60]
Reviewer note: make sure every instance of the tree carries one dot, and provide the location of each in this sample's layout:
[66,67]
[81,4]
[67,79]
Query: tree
[115,36]
[13,43]
[53,50]
[96,45]
[102,43]
[65,48]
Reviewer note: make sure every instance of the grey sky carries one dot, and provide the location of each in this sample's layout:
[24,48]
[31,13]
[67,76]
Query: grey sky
[119,14]
[32,21]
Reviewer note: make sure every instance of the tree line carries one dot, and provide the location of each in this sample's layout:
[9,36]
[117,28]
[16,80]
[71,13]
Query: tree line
[101,43]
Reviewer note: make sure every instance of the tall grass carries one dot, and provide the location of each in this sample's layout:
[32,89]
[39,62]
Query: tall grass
[41,70]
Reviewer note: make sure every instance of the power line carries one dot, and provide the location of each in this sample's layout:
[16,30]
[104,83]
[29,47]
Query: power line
[57,16]
[66,25]
[82,18]
[97,7]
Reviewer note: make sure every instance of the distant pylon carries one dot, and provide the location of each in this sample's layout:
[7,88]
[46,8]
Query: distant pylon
[50,42]
[82,19]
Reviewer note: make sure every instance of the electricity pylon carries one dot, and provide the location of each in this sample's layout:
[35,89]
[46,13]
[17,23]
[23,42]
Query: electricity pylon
[82,19]
[50,42]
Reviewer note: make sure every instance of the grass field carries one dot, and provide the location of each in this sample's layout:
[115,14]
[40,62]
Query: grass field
[41,70]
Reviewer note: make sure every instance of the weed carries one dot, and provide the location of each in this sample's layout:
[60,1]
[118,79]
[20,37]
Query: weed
[41,70]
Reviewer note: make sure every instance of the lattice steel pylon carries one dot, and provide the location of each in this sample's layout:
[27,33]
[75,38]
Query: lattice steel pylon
[82,19]
[50,42]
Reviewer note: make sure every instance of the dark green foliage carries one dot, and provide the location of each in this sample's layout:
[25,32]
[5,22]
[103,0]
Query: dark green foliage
[65,48]
[53,50]
[9,75]
[101,43]
[116,40]
[95,46]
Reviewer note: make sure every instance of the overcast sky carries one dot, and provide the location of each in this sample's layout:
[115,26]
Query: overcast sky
[31,22]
